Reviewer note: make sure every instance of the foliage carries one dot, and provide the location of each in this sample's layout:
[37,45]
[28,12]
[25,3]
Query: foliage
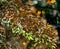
[23,22]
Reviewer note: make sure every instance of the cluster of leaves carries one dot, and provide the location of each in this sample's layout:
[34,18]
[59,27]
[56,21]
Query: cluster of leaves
[18,30]
[26,22]
[35,41]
